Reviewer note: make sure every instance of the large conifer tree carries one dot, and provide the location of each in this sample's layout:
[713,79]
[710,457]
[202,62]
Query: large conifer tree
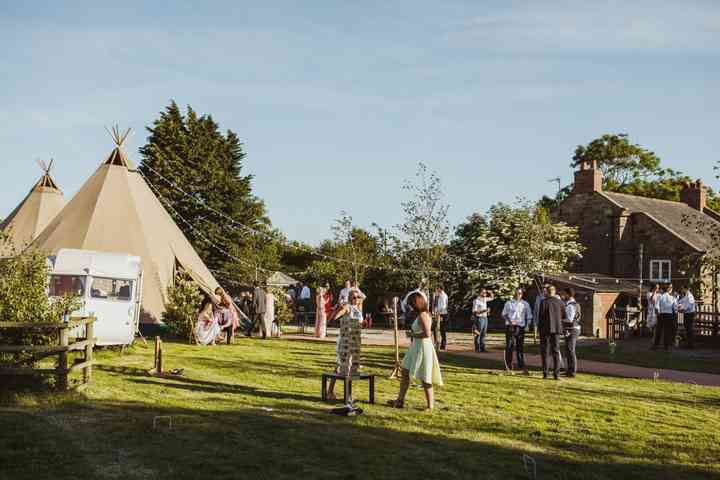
[191,151]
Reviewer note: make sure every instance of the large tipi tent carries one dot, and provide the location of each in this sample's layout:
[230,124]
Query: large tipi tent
[38,208]
[116,211]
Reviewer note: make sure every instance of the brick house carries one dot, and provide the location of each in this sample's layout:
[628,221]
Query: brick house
[597,295]
[637,238]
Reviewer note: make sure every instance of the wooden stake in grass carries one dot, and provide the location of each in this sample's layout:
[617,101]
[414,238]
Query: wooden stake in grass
[396,371]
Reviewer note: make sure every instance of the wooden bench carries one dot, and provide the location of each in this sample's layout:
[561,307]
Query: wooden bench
[347,384]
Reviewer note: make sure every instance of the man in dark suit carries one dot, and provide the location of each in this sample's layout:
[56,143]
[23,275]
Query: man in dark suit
[259,309]
[550,328]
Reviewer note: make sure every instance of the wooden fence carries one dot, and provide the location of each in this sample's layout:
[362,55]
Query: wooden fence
[707,321]
[63,349]
[622,322]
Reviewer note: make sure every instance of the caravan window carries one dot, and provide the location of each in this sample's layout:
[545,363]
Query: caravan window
[67,285]
[111,289]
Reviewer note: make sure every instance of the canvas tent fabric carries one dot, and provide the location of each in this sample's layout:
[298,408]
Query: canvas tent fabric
[115,211]
[280,279]
[39,207]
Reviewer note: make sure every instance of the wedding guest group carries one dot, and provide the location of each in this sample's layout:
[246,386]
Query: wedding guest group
[663,309]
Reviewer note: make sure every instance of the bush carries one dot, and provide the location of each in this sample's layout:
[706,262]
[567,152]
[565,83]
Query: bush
[182,307]
[283,312]
[24,298]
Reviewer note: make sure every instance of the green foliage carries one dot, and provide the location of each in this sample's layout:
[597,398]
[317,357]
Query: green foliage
[23,298]
[508,246]
[191,151]
[182,307]
[283,312]
[621,162]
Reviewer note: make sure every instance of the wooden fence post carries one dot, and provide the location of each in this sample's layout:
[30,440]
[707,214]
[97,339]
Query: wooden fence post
[62,365]
[158,355]
[90,338]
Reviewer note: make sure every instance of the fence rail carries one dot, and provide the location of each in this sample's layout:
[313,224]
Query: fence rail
[63,367]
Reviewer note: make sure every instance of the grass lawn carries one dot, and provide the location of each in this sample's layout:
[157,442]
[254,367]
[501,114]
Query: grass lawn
[636,351]
[252,411]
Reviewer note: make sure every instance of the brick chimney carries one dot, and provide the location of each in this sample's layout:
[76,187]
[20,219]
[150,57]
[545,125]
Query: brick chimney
[694,195]
[588,179]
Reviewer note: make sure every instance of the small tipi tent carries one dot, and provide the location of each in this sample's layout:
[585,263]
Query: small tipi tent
[38,208]
[115,211]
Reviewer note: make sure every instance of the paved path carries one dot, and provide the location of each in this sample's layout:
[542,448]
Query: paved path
[461,345]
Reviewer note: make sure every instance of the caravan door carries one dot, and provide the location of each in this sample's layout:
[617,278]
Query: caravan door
[112,301]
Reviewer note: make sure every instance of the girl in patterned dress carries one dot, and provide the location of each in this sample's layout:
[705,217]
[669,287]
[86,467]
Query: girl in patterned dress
[349,341]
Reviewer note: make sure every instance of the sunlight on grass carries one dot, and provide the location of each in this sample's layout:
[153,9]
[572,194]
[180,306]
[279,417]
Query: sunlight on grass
[253,410]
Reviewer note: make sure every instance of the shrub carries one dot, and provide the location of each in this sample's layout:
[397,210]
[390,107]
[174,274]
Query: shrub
[24,298]
[182,307]
[283,312]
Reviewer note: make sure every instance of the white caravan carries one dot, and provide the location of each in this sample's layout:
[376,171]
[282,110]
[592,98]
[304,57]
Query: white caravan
[109,285]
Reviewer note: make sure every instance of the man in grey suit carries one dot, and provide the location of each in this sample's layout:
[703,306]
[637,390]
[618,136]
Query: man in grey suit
[550,327]
[259,307]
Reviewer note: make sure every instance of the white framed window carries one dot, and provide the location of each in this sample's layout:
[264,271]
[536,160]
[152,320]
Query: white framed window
[660,271]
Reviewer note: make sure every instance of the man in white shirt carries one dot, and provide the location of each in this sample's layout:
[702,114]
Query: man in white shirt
[305,292]
[345,293]
[686,305]
[441,313]
[517,315]
[480,311]
[667,323]
[572,328]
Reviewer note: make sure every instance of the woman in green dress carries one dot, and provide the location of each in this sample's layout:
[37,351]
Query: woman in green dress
[421,361]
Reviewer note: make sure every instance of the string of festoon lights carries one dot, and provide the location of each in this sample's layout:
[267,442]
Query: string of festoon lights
[293,245]
[199,234]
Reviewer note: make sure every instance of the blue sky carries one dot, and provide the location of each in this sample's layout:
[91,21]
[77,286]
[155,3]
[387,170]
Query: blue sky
[337,101]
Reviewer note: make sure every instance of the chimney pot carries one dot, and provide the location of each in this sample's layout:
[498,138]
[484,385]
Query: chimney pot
[587,179]
[694,195]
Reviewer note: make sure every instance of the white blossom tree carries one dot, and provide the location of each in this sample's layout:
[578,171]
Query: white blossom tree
[510,245]
[426,229]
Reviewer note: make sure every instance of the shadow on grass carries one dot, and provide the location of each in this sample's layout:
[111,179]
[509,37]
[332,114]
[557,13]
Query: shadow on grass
[119,440]
[192,385]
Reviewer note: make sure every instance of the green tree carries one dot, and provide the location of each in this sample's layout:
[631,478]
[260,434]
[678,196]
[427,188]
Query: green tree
[622,162]
[349,254]
[629,168]
[508,246]
[210,191]
[426,229]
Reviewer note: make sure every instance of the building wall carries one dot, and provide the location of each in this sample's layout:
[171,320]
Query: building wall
[612,238]
[602,304]
[591,213]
